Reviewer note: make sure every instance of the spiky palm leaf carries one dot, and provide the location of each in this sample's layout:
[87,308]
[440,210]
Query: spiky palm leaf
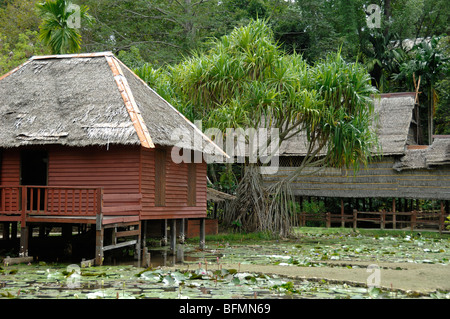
[55,29]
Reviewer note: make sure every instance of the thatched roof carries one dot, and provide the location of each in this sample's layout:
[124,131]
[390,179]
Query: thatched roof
[88,99]
[393,115]
[436,154]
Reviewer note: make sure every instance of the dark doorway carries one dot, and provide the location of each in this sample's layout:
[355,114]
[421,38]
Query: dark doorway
[33,172]
[33,167]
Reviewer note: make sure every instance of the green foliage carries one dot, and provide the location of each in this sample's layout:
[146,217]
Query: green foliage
[312,207]
[55,29]
[14,54]
[131,58]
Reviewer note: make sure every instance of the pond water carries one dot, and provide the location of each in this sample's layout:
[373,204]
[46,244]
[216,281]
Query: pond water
[205,275]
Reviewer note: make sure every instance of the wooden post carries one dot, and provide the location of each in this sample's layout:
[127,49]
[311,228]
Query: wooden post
[342,213]
[144,236]
[164,232]
[99,234]
[202,233]
[182,231]
[99,230]
[394,218]
[382,219]
[355,218]
[23,252]
[441,218]
[328,216]
[137,247]
[145,258]
[6,230]
[173,235]
[413,220]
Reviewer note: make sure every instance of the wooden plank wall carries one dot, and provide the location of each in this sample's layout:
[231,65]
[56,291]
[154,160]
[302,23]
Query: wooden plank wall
[10,175]
[376,180]
[10,168]
[176,193]
[116,169]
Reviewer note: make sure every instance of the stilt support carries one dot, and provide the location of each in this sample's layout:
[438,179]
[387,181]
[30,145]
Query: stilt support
[164,232]
[23,252]
[202,233]
[173,235]
[182,236]
[99,234]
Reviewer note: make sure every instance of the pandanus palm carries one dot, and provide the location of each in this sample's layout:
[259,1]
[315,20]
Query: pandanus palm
[60,25]
[245,81]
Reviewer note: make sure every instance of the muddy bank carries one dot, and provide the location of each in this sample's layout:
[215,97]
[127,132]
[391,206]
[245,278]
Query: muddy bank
[399,276]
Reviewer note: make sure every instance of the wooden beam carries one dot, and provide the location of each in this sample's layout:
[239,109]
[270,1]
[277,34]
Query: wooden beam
[128,233]
[120,245]
[130,103]
[17,260]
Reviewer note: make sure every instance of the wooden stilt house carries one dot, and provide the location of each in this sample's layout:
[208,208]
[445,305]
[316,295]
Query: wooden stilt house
[83,140]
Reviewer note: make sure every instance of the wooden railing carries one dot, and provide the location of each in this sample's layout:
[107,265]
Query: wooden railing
[51,201]
[404,220]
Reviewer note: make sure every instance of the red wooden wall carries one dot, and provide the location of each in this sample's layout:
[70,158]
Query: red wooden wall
[10,170]
[176,192]
[119,170]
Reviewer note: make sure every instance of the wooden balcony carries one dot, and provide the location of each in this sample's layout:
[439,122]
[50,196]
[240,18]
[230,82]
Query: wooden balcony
[66,205]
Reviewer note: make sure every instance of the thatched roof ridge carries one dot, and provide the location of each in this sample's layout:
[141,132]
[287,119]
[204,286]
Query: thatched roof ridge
[393,115]
[87,99]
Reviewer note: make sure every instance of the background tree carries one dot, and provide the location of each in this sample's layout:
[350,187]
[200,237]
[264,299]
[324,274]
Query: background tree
[429,62]
[19,27]
[56,30]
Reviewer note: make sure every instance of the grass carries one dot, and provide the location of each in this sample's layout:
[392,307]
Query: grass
[255,237]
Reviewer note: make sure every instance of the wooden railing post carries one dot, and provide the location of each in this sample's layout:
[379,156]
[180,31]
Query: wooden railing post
[355,218]
[382,219]
[328,217]
[24,198]
[441,218]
